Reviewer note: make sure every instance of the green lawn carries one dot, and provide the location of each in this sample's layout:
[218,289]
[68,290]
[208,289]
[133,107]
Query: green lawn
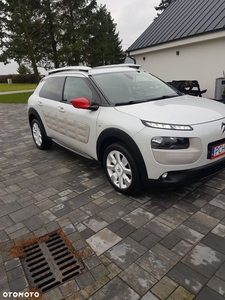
[15,98]
[5,87]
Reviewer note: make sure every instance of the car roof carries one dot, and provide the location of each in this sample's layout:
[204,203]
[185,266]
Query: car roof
[97,70]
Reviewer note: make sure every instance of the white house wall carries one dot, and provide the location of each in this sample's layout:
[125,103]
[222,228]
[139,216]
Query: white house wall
[202,60]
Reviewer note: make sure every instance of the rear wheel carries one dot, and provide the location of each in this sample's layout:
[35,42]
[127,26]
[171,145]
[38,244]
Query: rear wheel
[121,169]
[39,137]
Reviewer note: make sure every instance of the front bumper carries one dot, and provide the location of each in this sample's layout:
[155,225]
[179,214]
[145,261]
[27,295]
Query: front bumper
[186,177]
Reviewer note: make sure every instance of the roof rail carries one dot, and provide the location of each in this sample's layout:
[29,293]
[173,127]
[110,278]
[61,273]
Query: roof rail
[119,65]
[73,68]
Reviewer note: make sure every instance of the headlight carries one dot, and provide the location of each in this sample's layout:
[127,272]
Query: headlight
[163,142]
[167,126]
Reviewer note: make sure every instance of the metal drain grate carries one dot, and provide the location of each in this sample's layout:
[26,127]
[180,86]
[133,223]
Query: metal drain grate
[50,263]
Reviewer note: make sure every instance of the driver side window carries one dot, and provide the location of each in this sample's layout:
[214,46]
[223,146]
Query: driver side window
[76,87]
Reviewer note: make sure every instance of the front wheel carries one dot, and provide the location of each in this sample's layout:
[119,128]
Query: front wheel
[121,169]
[39,137]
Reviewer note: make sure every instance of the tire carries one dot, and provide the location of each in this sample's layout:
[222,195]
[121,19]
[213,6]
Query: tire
[39,136]
[121,169]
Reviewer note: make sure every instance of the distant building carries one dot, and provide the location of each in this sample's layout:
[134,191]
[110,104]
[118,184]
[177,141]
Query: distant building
[186,42]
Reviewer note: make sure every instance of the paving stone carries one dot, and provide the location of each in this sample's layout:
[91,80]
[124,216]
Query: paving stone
[207,293]
[116,225]
[170,241]
[91,209]
[70,228]
[218,213]
[219,230]
[158,228]
[45,204]
[9,208]
[77,216]
[21,232]
[15,273]
[3,236]
[18,284]
[138,279]
[95,223]
[60,210]
[114,270]
[99,271]
[69,288]
[215,242]
[164,288]
[55,294]
[201,222]
[138,217]
[186,207]
[39,220]
[217,285]
[125,231]
[5,222]
[12,263]
[150,241]
[221,272]
[84,280]
[92,262]
[139,234]
[125,252]
[158,261]
[154,207]
[188,278]
[181,294]
[204,260]
[149,296]
[113,213]
[103,240]
[87,233]
[188,234]
[172,217]
[218,201]
[117,290]
[182,248]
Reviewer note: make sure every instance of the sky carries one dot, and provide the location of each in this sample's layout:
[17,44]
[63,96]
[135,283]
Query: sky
[132,17]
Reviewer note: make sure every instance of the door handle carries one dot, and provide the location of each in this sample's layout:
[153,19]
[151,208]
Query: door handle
[40,103]
[61,109]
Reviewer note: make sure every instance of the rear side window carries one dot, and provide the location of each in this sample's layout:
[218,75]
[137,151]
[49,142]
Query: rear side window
[52,88]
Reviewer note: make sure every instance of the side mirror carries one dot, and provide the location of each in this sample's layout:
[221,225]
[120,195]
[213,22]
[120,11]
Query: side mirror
[83,103]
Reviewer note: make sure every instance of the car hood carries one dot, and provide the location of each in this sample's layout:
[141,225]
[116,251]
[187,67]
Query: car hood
[183,110]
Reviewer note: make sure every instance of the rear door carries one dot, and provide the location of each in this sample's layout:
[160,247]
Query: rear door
[50,97]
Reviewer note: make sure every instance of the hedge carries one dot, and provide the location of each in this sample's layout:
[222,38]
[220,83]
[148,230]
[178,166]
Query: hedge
[18,78]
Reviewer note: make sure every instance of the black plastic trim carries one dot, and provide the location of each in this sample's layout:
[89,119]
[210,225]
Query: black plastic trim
[186,177]
[110,135]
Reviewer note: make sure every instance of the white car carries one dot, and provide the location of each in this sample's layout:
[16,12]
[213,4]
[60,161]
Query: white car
[139,128]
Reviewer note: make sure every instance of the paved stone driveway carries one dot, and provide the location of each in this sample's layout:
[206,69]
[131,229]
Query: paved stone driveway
[156,245]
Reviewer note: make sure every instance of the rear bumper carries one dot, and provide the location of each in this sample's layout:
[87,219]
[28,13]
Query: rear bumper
[185,177]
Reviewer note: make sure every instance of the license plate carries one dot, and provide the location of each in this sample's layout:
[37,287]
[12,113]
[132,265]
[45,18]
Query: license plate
[217,151]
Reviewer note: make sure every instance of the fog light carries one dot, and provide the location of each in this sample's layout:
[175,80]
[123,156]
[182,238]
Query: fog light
[164,175]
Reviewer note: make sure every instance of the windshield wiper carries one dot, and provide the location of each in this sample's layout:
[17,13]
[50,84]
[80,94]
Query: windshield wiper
[164,97]
[129,102]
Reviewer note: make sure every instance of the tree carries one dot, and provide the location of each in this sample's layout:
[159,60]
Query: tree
[55,33]
[103,44]
[22,69]
[163,5]
[22,32]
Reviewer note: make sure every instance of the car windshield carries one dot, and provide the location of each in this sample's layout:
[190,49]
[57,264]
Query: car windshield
[131,87]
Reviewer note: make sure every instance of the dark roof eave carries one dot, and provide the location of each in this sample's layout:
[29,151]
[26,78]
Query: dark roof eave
[175,40]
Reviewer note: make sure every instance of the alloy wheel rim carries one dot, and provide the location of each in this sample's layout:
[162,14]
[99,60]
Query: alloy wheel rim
[119,169]
[37,134]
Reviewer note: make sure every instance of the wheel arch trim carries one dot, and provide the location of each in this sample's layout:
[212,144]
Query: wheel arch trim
[111,135]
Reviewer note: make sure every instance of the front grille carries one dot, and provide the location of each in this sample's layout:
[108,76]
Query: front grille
[49,263]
